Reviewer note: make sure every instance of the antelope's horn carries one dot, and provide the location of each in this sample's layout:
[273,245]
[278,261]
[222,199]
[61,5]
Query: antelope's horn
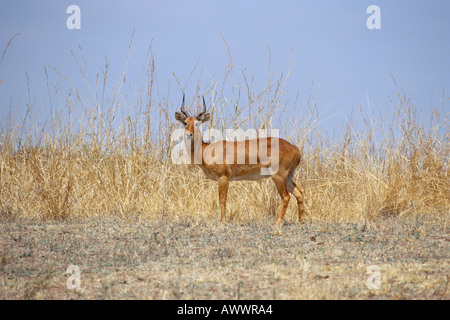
[182,108]
[204,108]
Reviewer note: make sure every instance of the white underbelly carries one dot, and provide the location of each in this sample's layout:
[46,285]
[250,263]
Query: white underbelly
[252,176]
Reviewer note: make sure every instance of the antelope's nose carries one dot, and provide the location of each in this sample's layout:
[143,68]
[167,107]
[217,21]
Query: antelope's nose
[188,135]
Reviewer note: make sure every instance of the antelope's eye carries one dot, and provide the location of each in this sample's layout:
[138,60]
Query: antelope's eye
[185,123]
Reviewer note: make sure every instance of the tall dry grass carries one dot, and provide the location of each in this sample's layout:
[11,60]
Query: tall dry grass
[98,154]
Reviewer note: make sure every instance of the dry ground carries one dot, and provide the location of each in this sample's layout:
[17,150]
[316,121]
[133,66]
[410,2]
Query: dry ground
[135,258]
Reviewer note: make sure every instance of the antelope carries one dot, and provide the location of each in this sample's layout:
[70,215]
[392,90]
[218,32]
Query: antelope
[253,149]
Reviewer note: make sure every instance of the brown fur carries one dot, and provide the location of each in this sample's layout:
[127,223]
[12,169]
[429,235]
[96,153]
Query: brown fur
[289,160]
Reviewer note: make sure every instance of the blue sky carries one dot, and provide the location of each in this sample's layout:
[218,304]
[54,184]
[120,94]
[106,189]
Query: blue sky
[329,41]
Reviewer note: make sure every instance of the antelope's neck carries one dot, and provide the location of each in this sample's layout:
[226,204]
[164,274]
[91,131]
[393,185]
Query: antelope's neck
[197,146]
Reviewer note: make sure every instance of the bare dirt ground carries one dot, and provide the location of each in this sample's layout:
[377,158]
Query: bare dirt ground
[137,258]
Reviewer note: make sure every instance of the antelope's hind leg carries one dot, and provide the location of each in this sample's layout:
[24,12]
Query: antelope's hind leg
[298,194]
[280,183]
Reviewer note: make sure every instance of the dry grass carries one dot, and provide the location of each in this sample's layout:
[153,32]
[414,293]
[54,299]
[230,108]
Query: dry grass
[95,157]
[103,163]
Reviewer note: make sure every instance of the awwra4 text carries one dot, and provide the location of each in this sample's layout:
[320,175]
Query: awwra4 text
[246,309]
[226,309]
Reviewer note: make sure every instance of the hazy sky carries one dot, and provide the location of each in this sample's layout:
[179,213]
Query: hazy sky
[329,40]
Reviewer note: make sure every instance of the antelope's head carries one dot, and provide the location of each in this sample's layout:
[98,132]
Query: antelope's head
[191,123]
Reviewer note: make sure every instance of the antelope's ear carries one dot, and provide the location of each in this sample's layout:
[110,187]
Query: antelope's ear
[204,117]
[180,117]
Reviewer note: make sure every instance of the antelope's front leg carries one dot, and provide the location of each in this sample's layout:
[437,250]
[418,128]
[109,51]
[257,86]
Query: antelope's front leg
[223,191]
